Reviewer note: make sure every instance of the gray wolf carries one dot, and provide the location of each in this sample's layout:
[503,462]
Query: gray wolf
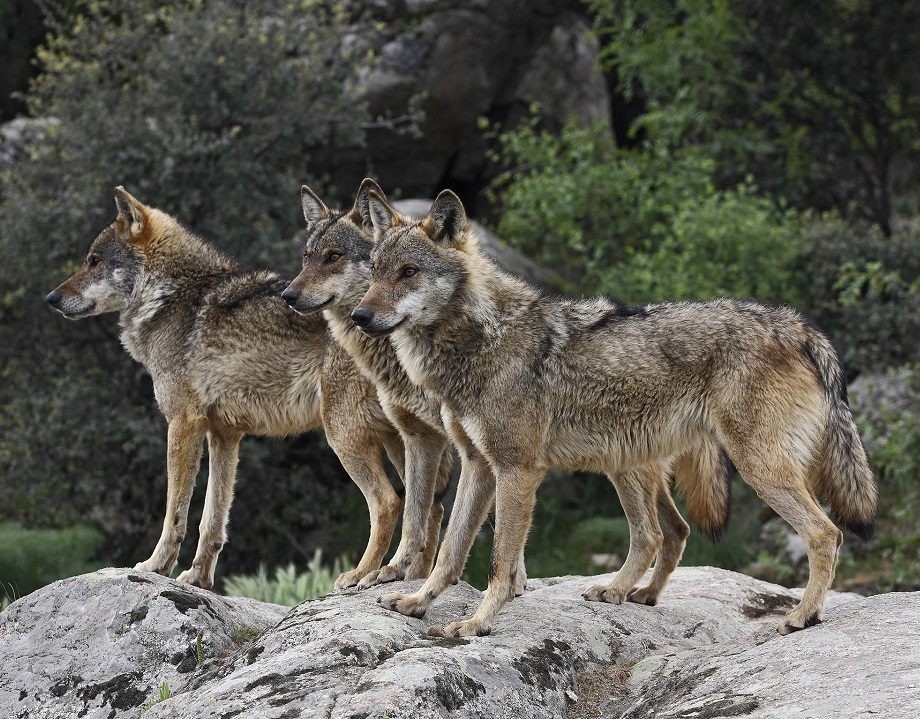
[228,358]
[532,382]
[335,275]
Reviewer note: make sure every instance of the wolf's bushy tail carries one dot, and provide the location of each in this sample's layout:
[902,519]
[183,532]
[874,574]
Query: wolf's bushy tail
[844,478]
[703,477]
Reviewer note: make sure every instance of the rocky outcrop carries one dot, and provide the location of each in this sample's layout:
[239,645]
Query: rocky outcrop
[104,644]
[447,64]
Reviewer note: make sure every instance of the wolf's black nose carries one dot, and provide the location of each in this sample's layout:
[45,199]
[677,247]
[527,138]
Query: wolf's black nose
[290,296]
[53,297]
[362,316]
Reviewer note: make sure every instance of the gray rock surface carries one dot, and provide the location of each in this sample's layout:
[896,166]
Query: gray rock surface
[101,645]
[506,256]
[864,661]
[450,63]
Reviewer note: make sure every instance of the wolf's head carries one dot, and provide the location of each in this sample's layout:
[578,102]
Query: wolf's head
[416,266]
[336,254]
[106,280]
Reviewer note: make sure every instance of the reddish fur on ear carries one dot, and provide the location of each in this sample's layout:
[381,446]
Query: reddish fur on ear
[360,214]
[132,216]
[314,209]
[383,215]
[446,221]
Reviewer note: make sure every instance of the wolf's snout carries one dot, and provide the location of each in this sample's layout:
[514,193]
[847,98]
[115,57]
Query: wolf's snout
[290,295]
[54,298]
[362,316]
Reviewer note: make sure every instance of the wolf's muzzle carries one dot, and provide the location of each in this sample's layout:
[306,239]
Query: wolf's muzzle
[54,298]
[290,296]
[362,316]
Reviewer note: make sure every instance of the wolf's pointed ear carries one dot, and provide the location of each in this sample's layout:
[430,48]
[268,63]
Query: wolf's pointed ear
[446,221]
[383,217]
[314,209]
[131,215]
[362,210]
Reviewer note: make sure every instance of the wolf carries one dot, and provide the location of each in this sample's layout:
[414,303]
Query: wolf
[228,358]
[334,276]
[533,382]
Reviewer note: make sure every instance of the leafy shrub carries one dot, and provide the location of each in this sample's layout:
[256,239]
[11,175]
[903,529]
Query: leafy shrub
[32,558]
[216,112]
[288,586]
[641,224]
[864,289]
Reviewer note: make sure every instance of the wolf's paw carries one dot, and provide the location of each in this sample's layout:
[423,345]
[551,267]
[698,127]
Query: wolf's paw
[412,605]
[643,595]
[798,619]
[155,566]
[520,584]
[465,628]
[196,578]
[387,573]
[347,580]
[602,593]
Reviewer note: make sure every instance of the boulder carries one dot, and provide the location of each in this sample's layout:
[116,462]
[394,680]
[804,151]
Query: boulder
[103,645]
[864,660]
[431,69]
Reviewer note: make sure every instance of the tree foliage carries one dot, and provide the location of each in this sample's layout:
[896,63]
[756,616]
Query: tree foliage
[213,111]
[642,224]
[818,100]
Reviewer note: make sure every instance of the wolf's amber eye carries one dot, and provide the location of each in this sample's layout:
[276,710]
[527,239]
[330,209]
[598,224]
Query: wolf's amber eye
[94,260]
[409,271]
[333,256]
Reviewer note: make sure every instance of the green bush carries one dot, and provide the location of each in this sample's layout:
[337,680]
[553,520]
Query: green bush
[864,289]
[288,586]
[216,112]
[32,558]
[641,224]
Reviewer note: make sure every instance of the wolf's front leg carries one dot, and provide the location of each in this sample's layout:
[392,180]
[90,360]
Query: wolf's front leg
[474,499]
[223,454]
[515,496]
[423,457]
[362,458]
[183,457]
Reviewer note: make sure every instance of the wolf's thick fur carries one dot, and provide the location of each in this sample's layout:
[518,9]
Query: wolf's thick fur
[533,382]
[228,358]
[334,276]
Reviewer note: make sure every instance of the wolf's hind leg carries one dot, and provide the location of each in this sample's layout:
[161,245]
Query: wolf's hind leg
[674,532]
[783,486]
[637,489]
[184,440]
[436,515]
[223,455]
